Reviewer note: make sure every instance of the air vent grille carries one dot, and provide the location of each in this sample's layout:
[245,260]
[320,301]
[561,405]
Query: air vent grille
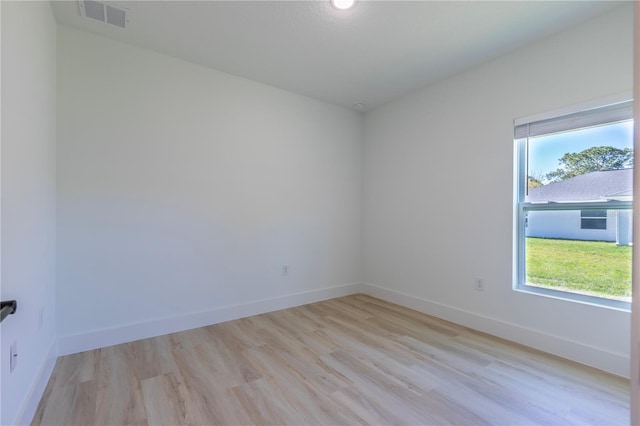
[103,12]
[117,17]
[94,9]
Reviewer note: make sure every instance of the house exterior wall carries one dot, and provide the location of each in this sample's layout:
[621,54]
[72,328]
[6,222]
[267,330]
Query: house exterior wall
[566,225]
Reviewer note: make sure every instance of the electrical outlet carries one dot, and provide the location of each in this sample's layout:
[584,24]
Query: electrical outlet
[40,318]
[13,356]
[479,284]
[285,270]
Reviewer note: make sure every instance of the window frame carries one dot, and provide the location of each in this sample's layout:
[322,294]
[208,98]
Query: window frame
[584,215]
[522,207]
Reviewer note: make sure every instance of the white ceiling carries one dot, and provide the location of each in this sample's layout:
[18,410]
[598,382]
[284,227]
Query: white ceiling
[373,53]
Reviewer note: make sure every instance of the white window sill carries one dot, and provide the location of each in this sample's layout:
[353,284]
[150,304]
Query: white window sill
[618,305]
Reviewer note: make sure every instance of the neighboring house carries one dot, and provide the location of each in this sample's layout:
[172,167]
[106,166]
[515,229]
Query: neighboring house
[595,225]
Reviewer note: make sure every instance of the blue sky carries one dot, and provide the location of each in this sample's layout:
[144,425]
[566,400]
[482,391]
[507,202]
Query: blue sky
[545,151]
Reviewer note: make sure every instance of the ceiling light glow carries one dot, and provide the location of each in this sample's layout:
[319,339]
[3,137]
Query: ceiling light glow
[343,4]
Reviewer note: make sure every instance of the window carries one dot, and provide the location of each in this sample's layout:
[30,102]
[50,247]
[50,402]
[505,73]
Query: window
[573,236]
[593,219]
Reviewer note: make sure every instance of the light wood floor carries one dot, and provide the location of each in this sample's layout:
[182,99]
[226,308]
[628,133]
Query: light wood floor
[351,360]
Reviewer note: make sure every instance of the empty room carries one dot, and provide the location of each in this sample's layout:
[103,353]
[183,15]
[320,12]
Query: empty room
[319,212]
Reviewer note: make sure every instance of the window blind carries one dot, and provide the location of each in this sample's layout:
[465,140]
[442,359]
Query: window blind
[604,115]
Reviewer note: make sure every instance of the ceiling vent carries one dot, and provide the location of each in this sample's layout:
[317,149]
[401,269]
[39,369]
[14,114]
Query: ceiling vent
[104,13]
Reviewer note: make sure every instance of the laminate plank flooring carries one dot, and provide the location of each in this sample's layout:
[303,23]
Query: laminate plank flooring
[351,360]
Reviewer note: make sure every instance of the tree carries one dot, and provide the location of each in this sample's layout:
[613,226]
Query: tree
[533,182]
[593,159]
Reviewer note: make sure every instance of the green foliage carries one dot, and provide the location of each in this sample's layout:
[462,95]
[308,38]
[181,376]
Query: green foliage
[593,159]
[586,267]
[533,182]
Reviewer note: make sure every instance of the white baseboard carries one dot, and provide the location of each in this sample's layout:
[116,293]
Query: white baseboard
[129,333]
[611,362]
[28,410]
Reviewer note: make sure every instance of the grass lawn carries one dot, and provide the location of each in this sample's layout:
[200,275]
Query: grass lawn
[587,267]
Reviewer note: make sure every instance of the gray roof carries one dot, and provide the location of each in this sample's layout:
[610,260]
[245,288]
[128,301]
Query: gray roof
[601,186]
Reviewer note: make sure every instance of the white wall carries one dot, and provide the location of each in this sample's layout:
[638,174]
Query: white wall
[438,196]
[28,201]
[182,191]
[567,224]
